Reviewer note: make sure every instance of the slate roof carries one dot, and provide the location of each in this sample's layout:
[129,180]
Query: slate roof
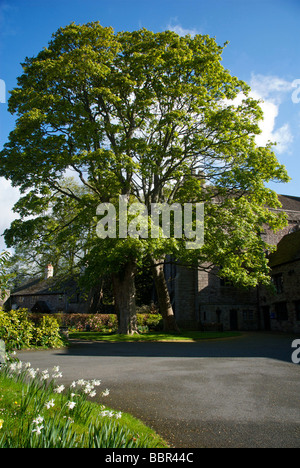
[289,203]
[50,286]
[288,250]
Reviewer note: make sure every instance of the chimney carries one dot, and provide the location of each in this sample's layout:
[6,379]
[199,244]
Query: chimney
[49,271]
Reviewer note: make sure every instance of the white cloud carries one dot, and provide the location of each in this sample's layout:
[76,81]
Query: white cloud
[284,138]
[269,86]
[8,197]
[181,31]
[272,90]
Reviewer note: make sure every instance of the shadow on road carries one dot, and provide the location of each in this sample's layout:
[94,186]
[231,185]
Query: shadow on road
[248,345]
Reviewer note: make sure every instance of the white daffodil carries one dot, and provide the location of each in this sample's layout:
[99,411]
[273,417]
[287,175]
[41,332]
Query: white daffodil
[49,404]
[59,389]
[71,404]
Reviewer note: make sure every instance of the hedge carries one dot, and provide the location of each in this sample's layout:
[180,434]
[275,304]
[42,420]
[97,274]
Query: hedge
[18,330]
[21,329]
[100,322]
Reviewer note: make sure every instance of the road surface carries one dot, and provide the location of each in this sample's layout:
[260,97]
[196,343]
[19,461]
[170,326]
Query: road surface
[237,392]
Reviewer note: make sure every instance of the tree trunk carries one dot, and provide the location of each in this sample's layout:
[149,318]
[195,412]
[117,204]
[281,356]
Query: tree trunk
[124,294]
[163,296]
[95,297]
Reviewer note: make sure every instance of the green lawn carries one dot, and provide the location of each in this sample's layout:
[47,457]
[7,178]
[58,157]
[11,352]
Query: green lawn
[185,336]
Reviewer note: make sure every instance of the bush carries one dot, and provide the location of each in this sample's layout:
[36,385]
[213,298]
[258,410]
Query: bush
[149,322]
[47,333]
[92,322]
[101,322]
[19,331]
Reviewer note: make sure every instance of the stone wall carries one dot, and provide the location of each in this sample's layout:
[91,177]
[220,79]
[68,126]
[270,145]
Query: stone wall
[219,302]
[202,298]
[282,307]
[55,302]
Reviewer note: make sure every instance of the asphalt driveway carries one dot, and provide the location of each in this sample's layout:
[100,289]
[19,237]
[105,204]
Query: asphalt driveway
[238,392]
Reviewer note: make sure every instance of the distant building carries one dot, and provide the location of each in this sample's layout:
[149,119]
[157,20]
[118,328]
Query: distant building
[280,308]
[201,298]
[49,295]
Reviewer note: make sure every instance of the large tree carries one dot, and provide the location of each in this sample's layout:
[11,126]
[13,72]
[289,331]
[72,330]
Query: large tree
[155,116]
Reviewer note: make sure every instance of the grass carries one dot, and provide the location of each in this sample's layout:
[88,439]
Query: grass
[26,422]
[185,336]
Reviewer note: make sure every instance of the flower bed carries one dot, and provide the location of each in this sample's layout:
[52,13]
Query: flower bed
[38,412]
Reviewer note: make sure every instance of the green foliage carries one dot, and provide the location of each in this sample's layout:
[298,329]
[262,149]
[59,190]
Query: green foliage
[47,333]
[147,115]
[4,275]
[18,331]
[92,322]
[36,414]
[149,322]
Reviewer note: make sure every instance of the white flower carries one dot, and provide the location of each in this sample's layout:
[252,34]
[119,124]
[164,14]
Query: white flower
[118,415]
[27,365]
[93,393]
[19,366]
[32,373]
[45,375]
[49,404]
[55,369]
[38,429]
[96,383]
[73,384]
[59,389]
[81,382]
[38,420]
[88,388]
[71,404]
[106,392]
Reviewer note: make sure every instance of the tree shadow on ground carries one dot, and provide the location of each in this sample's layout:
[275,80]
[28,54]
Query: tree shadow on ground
[248,345]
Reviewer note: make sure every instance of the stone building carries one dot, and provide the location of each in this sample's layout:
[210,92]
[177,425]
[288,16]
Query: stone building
[49,295]
[280,307]
[200,298]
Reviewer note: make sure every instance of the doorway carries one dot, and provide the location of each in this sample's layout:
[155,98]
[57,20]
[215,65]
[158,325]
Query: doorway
[233,319]
[266,318]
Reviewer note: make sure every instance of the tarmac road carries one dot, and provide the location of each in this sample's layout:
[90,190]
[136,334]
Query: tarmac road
[238,392]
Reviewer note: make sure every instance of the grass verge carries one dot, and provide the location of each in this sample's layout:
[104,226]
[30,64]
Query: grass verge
[34,415]
[186,336]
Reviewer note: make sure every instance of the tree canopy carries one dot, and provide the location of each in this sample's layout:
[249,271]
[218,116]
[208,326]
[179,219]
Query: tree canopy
[154,117]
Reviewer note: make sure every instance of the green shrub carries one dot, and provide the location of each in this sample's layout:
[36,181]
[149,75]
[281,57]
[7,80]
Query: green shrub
[102,322]
[151,322]
[19,331]
[16,329]
[47,333]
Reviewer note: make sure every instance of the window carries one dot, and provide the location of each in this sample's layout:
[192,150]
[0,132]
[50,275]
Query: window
[278,282]
[297,308]
[248,314]
[281,311]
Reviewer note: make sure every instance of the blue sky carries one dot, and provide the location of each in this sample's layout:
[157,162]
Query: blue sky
[263,50]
